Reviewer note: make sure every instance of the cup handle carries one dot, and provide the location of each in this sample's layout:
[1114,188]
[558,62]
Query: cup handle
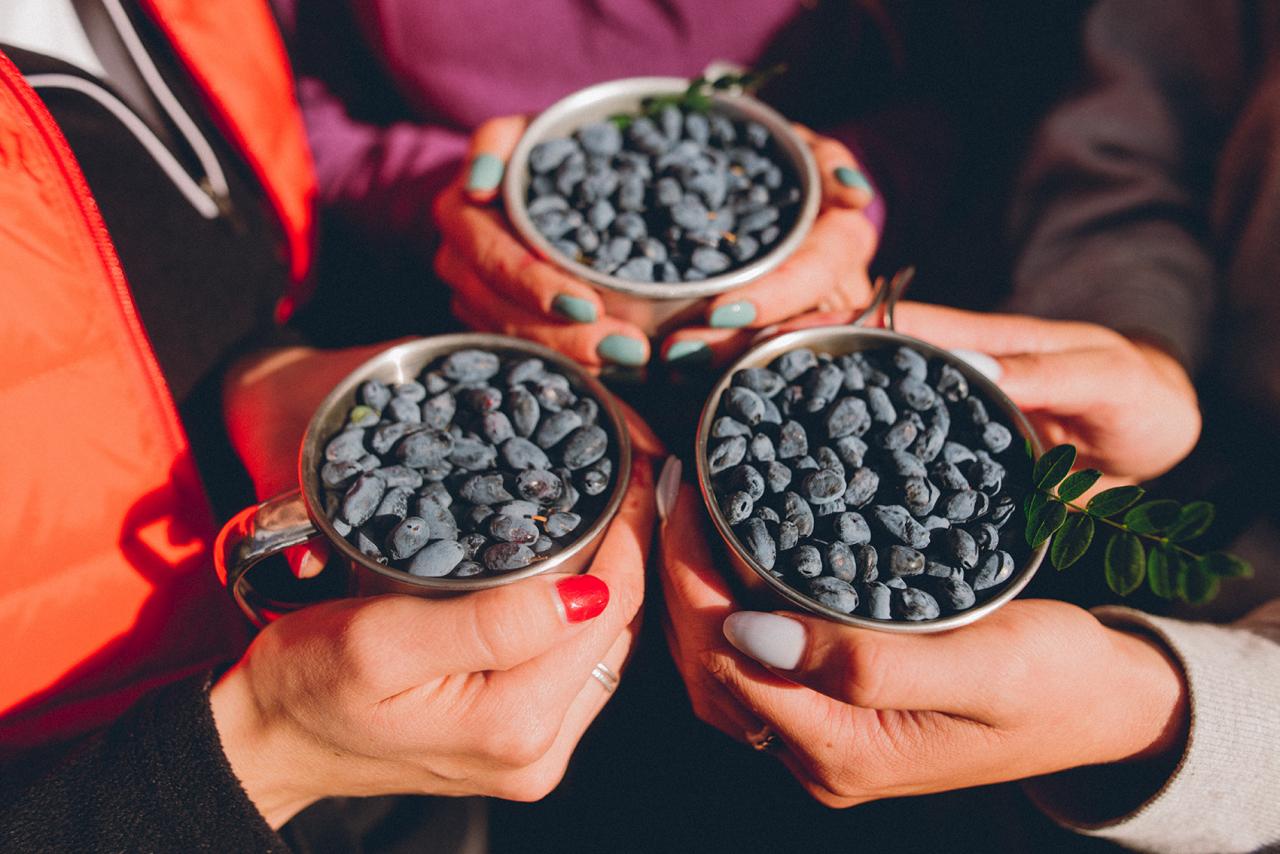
[251,536]
[884,298]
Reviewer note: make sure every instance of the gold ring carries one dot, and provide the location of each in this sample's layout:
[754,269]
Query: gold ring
[605,676]
[764,740]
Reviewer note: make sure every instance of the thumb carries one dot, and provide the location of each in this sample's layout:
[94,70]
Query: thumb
[869,669]
[491,147]
[496,629]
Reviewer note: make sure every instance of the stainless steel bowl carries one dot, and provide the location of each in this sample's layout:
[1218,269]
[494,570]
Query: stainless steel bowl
[297,516]
[839,340]
[656,306]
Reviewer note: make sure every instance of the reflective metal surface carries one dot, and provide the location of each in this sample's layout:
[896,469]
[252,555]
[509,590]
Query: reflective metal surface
[298,516]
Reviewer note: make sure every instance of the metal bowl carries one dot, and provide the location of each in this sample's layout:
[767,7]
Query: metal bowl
[657,306]
[839,340]
[298,516]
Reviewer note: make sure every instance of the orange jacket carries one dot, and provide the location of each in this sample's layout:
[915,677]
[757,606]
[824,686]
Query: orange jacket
[106,588]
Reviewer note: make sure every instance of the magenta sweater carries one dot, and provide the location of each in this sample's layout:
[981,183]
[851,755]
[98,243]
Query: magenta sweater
[391,89]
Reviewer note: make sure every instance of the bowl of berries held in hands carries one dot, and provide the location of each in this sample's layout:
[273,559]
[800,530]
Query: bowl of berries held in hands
[445,465]
[662,192]
[870,478]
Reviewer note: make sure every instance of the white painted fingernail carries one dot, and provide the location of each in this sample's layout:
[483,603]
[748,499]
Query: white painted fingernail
[768,638]
[982,363]
[669,486]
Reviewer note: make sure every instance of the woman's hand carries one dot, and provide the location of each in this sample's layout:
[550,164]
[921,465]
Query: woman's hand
[500,285]
[1127,405]
[827,273]
[1034,688]
[483,694]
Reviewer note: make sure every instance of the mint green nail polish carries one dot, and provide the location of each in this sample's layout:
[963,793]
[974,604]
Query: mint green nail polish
[574,308]
[688,353]
[733,315]
[621,350]
[851,177]
[486,172]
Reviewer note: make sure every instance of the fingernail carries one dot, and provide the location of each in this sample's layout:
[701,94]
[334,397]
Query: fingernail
[981,362]
[575,308]
[853,178]
[768,638]
[688,353]
[733,315]
[486,172]
[583,597]
[621,350]
[668,486]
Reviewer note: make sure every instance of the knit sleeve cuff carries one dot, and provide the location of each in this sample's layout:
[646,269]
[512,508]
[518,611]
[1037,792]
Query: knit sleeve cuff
[1221,796]
[188,770]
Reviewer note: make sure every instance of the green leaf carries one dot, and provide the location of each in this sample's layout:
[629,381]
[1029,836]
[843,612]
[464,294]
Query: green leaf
[1033,502]
[1158,574]
[1197,585]
[1225,565]
[1111,501]
[1193,521]
[695,86]
[1078,484]
[1031,451]
[1072,541]
[1152,517]
[1048,519]
[1125,563]
[698,101]
[1053,466]
[621,120]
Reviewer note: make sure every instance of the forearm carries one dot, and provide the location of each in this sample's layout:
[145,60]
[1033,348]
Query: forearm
[1110,219]
[1219,795]
[156,780]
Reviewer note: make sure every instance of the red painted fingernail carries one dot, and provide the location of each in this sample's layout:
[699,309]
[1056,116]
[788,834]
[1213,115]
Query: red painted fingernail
[584,597]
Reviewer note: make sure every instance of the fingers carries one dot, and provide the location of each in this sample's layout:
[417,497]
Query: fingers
[844,184]
[699,347]
[491,147]
[592,345]
[307,561]
[828,271]
[554,677]
[643,439]
[488,630]
[995,334]
[477,244]
[873,670]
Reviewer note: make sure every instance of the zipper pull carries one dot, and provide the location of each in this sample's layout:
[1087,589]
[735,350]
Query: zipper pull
[226,210]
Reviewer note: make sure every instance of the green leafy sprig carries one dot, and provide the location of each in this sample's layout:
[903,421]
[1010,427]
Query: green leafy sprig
[1149,537]
[697,97]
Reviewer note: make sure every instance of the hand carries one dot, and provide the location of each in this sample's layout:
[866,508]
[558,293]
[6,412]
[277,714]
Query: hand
[1034,688]
[1127,405]
[483,694]
[827,273]
[499,285]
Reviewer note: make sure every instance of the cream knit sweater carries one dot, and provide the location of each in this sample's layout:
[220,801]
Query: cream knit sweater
[1224,794]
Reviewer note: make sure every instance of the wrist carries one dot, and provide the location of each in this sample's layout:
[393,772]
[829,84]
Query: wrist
[255,750]
[1153,688]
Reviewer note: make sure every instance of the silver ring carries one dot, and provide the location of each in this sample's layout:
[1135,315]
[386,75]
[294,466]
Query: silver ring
[764,740]
[605,676]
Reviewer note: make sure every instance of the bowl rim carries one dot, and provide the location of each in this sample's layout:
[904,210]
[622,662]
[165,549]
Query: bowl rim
[761,355]
[514,184]
[421,352]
